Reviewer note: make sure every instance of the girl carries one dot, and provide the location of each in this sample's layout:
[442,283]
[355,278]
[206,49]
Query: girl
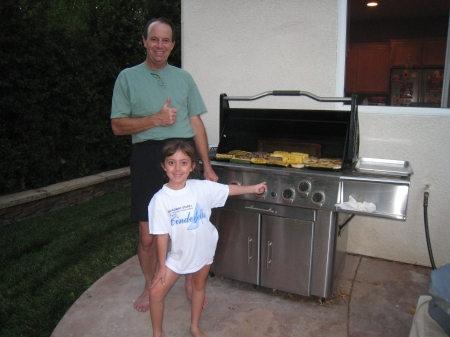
[181,211]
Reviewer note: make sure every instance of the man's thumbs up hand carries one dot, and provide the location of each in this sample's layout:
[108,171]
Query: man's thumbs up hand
[167,115]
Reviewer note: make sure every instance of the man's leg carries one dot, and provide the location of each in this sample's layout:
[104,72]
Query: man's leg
[148,258]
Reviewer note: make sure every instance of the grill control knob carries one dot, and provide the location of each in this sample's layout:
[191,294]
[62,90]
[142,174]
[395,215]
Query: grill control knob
[273,194]
[288,194]
[304,186]
[318,197]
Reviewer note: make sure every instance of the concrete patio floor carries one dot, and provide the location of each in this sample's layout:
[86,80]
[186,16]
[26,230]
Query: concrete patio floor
[374,298]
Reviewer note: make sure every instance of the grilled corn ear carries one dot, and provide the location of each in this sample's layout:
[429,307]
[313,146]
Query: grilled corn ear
[301,154]
[260,161]
[221,156]
[240,161]
[293,160]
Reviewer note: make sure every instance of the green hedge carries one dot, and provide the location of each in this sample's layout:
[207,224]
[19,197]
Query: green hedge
[59,60]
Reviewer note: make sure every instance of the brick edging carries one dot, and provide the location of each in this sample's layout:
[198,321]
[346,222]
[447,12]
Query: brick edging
[24,205]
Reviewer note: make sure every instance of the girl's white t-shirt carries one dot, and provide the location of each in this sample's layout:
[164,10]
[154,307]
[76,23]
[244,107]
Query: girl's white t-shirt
[184,214]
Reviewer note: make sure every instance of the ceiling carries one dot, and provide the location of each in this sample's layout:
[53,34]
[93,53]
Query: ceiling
[398,9]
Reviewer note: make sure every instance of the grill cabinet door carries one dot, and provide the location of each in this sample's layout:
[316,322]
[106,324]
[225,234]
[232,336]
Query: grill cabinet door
[286,253]
[237,253]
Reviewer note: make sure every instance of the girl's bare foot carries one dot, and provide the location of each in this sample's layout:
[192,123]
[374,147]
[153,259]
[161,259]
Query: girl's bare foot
[195,331]
[142,303]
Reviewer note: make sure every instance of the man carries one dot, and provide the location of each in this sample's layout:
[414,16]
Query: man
[153,102]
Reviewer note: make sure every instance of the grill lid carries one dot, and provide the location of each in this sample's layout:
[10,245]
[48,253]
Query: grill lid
[321,133]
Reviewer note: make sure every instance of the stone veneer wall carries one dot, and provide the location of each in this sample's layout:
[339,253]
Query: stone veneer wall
[28,204]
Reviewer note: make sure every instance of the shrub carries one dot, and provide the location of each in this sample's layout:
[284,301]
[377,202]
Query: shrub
[59,61]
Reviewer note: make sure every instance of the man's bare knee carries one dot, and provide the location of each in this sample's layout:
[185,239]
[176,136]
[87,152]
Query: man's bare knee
[148,245]
[146,240]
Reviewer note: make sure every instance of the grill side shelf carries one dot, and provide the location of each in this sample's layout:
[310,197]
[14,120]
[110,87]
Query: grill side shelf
[390,196]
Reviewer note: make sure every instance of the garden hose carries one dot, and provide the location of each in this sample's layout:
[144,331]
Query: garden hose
[427,233]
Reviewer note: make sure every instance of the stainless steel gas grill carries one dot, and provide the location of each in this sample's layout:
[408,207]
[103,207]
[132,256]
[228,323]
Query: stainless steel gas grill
[291,238]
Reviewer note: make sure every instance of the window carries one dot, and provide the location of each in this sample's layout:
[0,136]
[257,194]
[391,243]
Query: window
[396,52]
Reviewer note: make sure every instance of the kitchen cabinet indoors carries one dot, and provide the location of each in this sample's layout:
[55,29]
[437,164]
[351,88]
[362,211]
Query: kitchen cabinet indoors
[418,53]
[433,52]
[367,68]
[406,53]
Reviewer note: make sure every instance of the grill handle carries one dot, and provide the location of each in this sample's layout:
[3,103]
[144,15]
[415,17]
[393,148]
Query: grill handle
[287,93]
[261,209]
[249,249]
[269,253]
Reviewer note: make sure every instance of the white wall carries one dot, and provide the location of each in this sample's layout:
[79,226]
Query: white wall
[423,141]
[243,48]
[247,47]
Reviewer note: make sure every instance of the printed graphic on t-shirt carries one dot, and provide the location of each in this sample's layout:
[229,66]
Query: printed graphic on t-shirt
[187,215]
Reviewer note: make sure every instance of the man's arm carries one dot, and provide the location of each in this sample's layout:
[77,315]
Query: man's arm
[201,143]
[128,126]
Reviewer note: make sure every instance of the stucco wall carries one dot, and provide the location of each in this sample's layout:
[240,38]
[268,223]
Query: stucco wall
[247,47]
[244,48]
[423,141]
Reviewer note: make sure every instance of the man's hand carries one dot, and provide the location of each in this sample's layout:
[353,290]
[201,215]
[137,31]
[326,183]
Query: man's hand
[167,115]
[209,173]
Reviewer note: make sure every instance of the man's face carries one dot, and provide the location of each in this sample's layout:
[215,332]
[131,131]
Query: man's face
[159,45]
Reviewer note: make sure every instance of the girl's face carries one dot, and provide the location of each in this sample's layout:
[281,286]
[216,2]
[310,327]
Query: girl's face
[178,167]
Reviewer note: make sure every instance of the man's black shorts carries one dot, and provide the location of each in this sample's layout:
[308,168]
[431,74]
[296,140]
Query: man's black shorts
[147,175]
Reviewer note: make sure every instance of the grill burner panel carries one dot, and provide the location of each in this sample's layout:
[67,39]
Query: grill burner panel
[285,186]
